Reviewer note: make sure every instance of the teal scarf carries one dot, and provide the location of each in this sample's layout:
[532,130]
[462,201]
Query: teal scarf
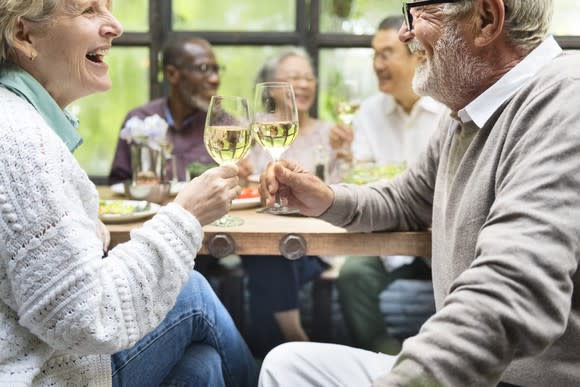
[26,87]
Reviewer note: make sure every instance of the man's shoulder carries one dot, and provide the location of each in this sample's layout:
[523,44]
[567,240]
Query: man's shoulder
[155,106]
[375,101]
[563,67]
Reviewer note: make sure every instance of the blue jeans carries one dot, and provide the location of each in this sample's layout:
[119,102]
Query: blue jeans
[196,345]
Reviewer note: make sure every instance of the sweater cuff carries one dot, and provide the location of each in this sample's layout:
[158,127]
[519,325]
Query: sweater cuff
[341,207]
[180,215]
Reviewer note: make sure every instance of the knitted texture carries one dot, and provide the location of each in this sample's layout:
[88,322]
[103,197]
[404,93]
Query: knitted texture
[64,309]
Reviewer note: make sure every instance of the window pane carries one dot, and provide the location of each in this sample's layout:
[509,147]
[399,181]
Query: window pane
[234,15]
[355,16]
[101,115]
[338,65]
[242,64]
[133,14]
[566,14]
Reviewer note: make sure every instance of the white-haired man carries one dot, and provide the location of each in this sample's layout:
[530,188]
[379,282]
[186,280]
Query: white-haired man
[499,184]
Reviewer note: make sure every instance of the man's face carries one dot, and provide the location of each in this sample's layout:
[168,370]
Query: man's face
[392,62]
[450,69]
[198,77]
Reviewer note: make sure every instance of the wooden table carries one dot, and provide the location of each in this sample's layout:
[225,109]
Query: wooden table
[261,234]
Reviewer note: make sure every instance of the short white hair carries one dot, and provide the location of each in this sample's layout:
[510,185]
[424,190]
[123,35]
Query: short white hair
[267,72]
[13,10]
[527,22]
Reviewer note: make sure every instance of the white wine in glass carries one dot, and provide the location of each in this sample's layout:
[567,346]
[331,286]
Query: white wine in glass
[348,101]
[275,125]
[227,137]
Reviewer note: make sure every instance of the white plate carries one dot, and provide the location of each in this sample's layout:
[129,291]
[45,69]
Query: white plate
[240,204]
[119,188]
[139,210]
[254,178]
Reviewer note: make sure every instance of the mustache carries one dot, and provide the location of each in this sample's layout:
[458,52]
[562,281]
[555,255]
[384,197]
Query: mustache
[415,46]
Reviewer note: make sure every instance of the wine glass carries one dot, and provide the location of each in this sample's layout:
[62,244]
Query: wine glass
[227,137]
[347,104]
[275,125]
[348,101]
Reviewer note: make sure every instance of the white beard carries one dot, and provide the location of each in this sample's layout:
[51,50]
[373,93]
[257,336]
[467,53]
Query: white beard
[452,75]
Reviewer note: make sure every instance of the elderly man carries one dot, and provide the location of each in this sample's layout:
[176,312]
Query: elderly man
[191,69]
[499,183]
[392,126]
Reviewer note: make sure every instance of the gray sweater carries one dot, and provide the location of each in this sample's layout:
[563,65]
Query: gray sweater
[504,205]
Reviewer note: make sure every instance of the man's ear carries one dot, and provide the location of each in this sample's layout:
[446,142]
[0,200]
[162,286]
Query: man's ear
[21,40]
[490,16]
[172,74]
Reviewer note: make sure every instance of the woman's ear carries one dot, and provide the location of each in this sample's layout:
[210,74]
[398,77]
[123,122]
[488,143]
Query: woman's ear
[22,41]
[491,17]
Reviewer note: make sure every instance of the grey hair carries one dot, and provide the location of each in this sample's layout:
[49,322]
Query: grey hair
[527,22]
[267,72]
[11,11]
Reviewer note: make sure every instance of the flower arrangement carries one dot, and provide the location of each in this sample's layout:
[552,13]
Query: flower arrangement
[150,131]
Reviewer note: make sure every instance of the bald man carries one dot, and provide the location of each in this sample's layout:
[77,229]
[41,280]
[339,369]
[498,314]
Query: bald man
[192,72]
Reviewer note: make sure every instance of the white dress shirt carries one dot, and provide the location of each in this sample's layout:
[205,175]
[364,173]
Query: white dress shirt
[384,133]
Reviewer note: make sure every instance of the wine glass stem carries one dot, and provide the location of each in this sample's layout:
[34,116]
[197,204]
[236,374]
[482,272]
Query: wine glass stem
[278,203]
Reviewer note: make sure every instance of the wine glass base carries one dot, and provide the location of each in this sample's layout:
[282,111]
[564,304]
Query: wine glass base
[278,211]
[228,221]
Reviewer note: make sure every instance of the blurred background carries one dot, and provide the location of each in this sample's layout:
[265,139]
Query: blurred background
[337,33]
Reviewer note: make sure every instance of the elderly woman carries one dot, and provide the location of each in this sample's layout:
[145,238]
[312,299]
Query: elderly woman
[67,316]
[274,281]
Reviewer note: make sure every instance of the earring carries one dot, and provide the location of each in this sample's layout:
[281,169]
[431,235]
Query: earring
[32,56]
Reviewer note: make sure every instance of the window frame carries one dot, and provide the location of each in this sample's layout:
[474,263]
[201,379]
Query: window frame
[306,34]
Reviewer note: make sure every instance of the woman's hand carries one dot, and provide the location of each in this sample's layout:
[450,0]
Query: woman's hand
[103,234]
[298,188]
[341,136]
[209,196]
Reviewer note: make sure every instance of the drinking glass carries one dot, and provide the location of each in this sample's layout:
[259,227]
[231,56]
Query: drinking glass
[275,126]
[347,104]
[227,137]
[347,101]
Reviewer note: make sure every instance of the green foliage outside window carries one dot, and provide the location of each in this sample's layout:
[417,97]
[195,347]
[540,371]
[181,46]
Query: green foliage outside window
[234,15]
[101,115]
[133,14]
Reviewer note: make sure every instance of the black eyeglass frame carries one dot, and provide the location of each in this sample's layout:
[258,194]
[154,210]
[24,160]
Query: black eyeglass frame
[407,9]
[204,68]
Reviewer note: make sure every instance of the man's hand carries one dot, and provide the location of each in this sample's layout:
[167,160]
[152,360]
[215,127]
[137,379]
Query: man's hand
[209,196]
[298,188]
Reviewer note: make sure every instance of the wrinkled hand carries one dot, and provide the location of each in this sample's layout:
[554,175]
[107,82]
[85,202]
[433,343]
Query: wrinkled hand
[298,188]
[341,136]
[103,234]
[209,196]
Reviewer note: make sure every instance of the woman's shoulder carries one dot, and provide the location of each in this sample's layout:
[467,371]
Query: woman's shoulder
[25,134]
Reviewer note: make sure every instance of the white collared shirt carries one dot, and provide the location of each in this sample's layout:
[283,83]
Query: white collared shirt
[482,108]
[385,133]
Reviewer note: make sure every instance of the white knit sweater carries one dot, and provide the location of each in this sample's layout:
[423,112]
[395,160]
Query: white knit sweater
[63,309]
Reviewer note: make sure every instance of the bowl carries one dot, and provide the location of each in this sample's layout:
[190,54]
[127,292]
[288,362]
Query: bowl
[155,193]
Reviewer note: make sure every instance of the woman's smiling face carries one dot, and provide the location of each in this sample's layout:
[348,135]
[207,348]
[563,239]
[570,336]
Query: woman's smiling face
[69,50]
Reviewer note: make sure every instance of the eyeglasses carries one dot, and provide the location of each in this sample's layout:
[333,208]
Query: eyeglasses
[293,78]
[204,68]
[408,5]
